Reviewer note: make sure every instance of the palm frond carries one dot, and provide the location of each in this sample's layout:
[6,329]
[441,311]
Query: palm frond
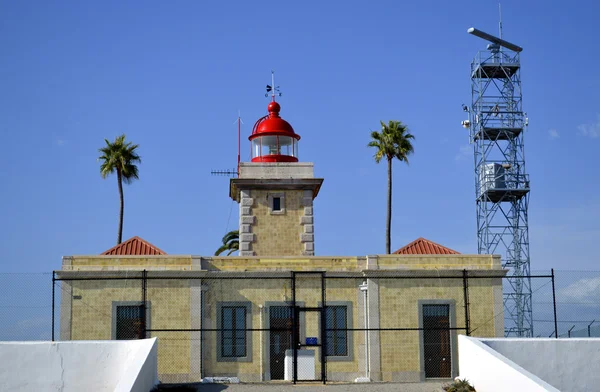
[230,242]
[393,141]
[119,156]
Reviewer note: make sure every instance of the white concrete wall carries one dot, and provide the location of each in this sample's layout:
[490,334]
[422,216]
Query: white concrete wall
[489,371]
[125,365]
[570,365]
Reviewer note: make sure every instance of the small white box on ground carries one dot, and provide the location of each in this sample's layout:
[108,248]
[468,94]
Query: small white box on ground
[306,365]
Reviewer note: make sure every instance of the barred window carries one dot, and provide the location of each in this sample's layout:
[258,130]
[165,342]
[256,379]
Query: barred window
[129,322]
[337,341]
[233,336]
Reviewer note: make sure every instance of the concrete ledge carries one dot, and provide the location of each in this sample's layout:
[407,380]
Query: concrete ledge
[141,372]
[277,170]
[220,380]
[488,370]
[566,364]
[237,185]
[124,365]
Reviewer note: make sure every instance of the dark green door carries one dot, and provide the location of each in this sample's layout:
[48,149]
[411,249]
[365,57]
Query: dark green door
[436,341]
[280,331]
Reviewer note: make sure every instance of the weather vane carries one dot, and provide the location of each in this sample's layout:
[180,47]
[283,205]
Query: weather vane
[271,88]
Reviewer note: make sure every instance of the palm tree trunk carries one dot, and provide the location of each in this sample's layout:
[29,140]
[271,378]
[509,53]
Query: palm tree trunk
[388,226]
[120,180]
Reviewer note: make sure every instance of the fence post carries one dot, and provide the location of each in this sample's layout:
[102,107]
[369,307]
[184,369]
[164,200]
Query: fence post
[323,329]
[144,288]
[554,303]
[53,283]
[294,330]
[466,300]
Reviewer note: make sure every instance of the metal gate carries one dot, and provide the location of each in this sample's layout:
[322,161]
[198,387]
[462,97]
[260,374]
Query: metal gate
[309,339]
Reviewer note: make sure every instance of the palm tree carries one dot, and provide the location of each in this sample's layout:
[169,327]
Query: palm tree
[120,157]
[231,242]
[394,141]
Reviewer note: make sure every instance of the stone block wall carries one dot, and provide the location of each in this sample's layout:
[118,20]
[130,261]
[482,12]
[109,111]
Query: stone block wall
[289,233]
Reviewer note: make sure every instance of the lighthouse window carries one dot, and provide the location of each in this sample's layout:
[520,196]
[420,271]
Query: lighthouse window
[276,203]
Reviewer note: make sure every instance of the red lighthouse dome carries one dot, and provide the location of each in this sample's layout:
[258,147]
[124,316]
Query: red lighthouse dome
[273,139]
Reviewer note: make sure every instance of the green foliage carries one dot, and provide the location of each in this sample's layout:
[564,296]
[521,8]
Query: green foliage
[459,386]
[394,141]
[120,157]
[231,242]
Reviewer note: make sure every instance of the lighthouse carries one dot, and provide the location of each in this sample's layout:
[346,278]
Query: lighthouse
[275,192]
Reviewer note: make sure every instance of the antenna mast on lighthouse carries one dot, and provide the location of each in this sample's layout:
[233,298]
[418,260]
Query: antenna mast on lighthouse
[230,172]
[239,122]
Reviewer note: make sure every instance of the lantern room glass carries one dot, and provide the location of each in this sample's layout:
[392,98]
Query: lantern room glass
[274,145]
[268,145]
[286,145]
[256,147]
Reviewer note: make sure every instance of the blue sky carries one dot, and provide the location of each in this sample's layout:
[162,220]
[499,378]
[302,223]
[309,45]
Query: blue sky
[173,75]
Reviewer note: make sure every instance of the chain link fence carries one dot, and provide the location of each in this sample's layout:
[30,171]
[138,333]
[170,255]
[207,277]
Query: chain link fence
[26,306]
[577,305]
[296,326]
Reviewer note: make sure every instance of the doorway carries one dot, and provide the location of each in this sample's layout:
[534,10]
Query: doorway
[280,339]
[436,340]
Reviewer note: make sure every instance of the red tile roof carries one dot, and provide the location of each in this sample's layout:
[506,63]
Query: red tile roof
[422,246]
[135,246]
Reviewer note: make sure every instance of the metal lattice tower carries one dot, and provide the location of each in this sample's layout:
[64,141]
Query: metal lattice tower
[497,124]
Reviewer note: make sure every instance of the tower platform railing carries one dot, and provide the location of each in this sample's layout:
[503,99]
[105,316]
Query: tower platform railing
[489,65]
[488,57]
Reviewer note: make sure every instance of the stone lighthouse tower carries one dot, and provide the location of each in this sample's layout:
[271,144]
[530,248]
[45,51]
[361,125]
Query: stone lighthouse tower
[275,192]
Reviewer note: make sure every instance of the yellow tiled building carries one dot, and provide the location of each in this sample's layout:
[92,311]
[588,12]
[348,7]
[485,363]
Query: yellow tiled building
[193,291]
[380,317]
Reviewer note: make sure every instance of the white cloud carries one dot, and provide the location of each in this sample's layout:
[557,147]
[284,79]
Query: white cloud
[61,142]
[464,152]
[591,130]
[583,292]
[553,134]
